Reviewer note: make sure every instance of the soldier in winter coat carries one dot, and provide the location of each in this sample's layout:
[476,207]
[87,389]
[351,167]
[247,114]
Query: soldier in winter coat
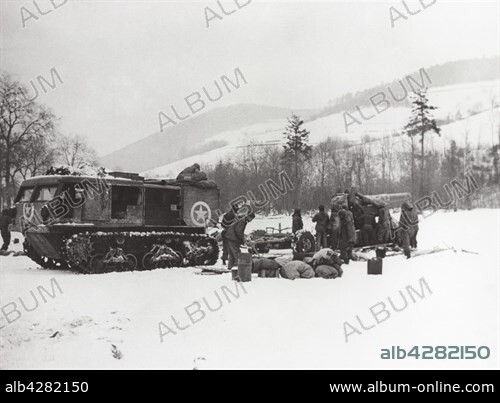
[5,221]
[384,225]
[235,236]
[368,229]
[321,219]
[227,219]
[347,233]
[297,223]
[192,173]
[408,226]
[334,229]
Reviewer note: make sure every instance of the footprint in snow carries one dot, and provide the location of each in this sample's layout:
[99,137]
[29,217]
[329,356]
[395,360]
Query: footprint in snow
[82,321]
[116,353]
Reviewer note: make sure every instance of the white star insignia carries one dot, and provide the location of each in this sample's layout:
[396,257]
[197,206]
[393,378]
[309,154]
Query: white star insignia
[200,214]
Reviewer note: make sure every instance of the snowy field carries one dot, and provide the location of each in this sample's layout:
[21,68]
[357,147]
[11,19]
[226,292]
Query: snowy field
[112,320]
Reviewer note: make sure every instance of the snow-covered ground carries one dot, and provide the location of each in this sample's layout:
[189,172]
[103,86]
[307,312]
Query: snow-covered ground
[112,320]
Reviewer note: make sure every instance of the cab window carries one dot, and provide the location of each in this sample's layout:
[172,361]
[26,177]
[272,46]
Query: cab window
[73,194]
[45,193]
[125,202]
[24,194]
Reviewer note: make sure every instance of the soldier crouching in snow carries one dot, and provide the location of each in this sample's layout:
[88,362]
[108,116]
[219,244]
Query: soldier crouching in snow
[347,233]
[408,223]
[235,237]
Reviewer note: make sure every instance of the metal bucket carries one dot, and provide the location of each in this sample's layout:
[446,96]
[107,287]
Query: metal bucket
[380,252]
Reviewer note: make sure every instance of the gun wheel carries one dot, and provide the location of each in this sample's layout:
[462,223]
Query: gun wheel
[147,262]
[306,243]
[97,264]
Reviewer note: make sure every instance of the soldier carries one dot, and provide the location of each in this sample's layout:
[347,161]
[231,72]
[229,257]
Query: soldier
[321,220]
[192,173]
[347,233]
[227,219]
[235,236]
[297,223]
[5,221]
[413,218]
[334,227]
[368,223]
[384,225]
[408,227]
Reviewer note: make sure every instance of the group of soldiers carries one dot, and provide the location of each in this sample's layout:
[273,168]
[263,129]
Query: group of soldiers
[338,230]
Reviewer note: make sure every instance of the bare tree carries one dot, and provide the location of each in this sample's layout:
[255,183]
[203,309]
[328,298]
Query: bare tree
[322,160]
[35,158]
[21,121]
[386,160]
[75,152]
[362,166]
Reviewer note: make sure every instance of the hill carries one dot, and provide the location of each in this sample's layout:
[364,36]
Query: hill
[189,137]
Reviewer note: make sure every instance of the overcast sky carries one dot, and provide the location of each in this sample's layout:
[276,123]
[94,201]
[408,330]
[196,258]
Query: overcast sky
[124,61]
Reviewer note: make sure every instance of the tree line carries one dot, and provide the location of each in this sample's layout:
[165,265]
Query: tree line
[407,161]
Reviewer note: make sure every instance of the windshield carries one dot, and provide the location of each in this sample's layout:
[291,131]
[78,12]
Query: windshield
[25,194]
[46,193]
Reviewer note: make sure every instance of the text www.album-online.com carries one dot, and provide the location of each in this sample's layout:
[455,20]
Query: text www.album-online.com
[381,387]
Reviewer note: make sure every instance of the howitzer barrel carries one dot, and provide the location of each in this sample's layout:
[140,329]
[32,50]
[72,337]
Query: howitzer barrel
[390,200]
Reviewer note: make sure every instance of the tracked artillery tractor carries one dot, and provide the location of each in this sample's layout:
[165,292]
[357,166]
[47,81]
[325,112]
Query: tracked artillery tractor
[120,222]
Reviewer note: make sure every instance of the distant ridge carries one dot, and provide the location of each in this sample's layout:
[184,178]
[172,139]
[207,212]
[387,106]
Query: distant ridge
[457,72]
[177,142]
[189,137]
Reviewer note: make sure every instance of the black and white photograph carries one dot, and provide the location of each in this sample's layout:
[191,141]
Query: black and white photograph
[250,184]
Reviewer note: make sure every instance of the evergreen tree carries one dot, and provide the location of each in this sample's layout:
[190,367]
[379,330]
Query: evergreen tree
[421,121]
[296,149]
[451,162]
